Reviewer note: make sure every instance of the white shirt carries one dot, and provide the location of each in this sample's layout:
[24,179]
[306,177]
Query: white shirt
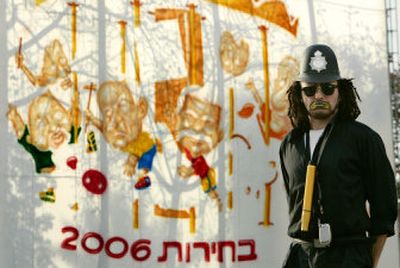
[315,134]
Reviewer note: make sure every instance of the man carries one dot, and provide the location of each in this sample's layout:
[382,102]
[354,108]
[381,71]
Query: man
[197,134]
[121,125]
[353,207]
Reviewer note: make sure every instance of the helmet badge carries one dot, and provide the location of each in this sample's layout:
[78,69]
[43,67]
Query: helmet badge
[318,63]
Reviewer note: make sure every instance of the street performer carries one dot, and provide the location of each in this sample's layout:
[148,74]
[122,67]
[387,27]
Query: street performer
[339,182]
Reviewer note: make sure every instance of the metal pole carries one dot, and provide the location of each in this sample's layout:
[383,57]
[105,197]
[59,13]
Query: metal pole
[393,39]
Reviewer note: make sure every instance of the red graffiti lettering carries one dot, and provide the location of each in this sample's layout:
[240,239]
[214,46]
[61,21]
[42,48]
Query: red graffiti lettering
[188,250]
[206,247]
[252,255]
[94,236]
[224,244]
[213,247]
[142,245]
[67,242]
[167,245]
[125,247]
[141,249]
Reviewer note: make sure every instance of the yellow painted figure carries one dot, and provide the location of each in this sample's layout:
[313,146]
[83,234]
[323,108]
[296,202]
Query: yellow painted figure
[48,126]
[121,126]
[198,133]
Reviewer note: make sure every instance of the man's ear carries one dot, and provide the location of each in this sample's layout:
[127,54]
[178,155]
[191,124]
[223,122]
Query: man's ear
[143,107]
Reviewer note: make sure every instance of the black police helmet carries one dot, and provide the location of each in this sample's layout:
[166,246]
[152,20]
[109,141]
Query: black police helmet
[319,65]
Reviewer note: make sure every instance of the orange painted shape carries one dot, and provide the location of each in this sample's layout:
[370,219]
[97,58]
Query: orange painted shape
[178,214]
[197,53]
[75,207]
[272,11]
[39,2]
[75,112]
[136,214]
[231,112]
[75,76]
[73,6]
[170,213]
[192,217]
[137,66]
[246,111]
[263,29]
[167,94]
[230,200]
[267,202]
[136,11]
[267,206]
[230,159]
[123,45]
[191,40]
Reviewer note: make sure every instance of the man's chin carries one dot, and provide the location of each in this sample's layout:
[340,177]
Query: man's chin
[321,114]
[56,140]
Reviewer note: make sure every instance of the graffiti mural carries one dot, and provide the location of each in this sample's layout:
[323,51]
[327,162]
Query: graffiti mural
[146,132]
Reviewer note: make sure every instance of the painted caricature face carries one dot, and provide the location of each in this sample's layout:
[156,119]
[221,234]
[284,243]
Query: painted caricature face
[234,55]
[48,122]
[122,118]
[288,70]
[320,100]
[198,126]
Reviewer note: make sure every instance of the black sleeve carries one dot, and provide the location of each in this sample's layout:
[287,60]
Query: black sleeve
[380,186]
[283,168]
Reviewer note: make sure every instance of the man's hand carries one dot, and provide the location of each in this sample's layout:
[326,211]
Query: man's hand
[159,146]
[16,120]
[90,119]
[12,111]
[185,172]
[250,84]
[130,165]
[377,248]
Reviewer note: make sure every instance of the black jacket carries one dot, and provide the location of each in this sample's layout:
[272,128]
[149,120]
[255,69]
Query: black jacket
[353,169]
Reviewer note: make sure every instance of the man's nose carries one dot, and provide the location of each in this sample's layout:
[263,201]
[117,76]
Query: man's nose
[318,93]
[198,125]
[119,121]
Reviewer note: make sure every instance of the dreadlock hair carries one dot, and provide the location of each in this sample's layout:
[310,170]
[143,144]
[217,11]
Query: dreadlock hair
[347,106]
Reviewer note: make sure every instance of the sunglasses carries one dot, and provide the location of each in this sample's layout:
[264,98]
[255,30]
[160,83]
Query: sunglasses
[326,88]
